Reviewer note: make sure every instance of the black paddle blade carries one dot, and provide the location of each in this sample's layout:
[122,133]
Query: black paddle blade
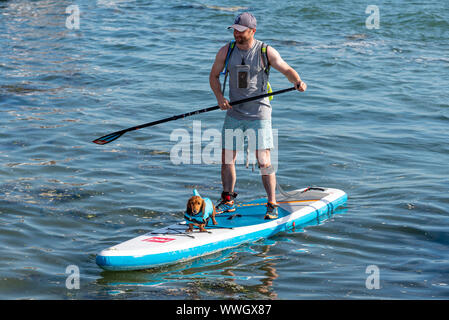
[108,138]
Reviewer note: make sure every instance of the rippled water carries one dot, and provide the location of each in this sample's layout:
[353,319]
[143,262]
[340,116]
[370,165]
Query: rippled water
[373,123]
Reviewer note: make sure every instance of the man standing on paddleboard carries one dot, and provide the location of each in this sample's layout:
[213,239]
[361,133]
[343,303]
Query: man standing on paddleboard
[248,62]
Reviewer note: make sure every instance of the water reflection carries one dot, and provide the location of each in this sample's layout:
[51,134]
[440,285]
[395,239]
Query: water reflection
[218,275]
[37,49]
[246,272]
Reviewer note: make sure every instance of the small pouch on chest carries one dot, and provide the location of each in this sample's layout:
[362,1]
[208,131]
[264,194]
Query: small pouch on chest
[242,76]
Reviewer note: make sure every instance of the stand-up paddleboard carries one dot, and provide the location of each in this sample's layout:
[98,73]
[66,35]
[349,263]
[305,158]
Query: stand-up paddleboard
[173,244]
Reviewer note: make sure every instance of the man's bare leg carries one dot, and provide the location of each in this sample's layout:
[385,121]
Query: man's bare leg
[268,174]
[228,174]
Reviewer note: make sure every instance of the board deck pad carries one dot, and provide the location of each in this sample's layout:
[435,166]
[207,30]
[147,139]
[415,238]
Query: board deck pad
[254,212]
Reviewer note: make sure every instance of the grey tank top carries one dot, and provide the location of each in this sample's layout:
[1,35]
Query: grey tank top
[247,78]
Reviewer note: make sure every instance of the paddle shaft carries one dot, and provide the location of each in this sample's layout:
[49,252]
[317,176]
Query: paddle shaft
[115,135]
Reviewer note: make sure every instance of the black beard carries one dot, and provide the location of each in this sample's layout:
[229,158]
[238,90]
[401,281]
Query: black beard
[241,41]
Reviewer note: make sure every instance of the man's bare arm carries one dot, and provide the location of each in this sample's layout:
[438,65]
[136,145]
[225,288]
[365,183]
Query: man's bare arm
[214,78]
[279,64]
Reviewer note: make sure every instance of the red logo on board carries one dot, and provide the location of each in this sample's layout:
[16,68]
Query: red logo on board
[158,239]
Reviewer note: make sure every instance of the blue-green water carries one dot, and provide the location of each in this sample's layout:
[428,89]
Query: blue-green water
[373,122]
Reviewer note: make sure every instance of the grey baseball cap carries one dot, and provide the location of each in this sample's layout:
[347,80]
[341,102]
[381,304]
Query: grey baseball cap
[244,21]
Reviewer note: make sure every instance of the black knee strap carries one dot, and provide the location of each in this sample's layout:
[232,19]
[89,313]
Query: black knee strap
[228,196]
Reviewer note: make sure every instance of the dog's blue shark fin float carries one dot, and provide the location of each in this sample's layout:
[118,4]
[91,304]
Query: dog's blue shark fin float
[195,192]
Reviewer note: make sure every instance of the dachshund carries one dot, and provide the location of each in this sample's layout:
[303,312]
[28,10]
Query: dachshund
[198,212]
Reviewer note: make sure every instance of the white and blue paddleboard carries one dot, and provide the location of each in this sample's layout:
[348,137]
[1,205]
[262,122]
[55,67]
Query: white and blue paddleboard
[173,244]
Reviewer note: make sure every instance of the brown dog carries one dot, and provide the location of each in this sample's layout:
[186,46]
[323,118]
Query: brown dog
[198,212]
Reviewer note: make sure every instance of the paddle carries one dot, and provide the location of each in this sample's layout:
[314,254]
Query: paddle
[115,135]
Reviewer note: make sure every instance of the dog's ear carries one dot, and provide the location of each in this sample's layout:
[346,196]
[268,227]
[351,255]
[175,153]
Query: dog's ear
[189,207]
[203,206]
